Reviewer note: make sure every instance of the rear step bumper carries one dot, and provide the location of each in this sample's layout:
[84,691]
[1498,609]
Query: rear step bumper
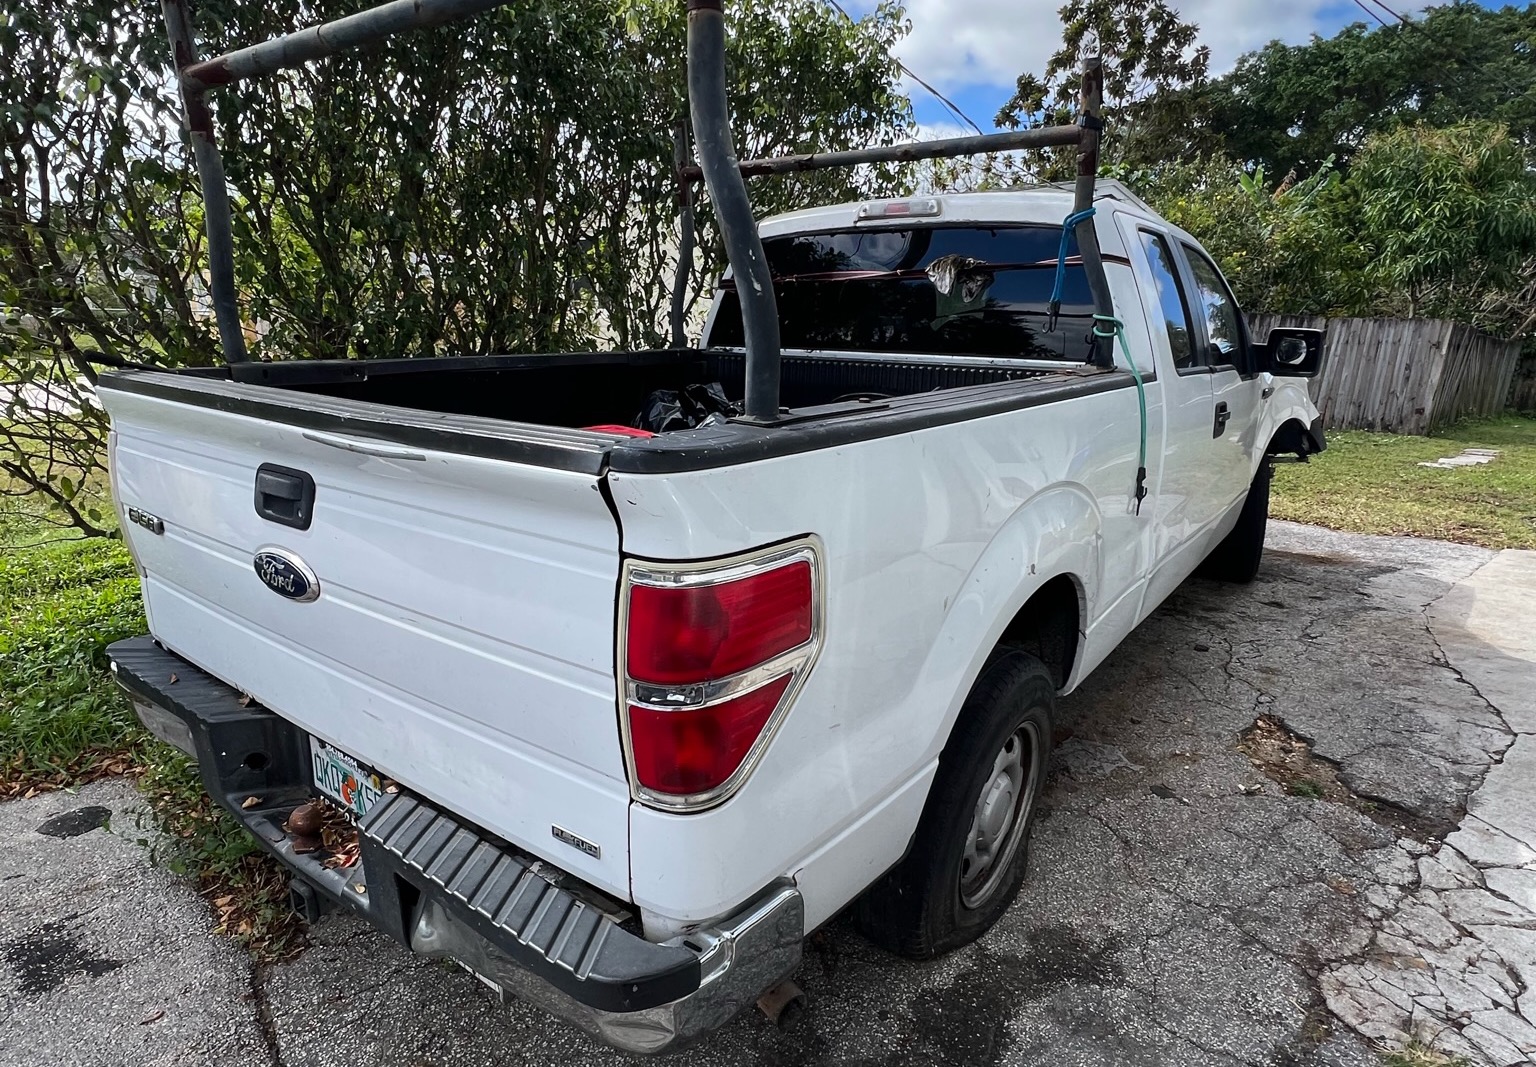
[443,888]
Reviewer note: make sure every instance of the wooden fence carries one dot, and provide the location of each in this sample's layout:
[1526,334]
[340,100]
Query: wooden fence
[1522,394]
[1409,376]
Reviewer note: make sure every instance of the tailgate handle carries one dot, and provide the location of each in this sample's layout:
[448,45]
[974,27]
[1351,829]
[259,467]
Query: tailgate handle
[285,496]
[349,445]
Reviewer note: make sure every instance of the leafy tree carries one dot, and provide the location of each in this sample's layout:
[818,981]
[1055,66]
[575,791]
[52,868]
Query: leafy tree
[1296,105]
[503,184]
[1428,222]
[1449,217]
[1150,55]
[1283,246]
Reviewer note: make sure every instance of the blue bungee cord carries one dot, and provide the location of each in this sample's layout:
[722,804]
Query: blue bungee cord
[1116,329]
[1061,261]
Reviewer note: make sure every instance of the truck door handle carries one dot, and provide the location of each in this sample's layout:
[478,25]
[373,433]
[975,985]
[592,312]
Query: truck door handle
[285,496]
[1222,415]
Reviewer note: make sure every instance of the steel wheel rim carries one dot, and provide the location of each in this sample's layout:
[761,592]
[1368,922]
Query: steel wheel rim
[1000,817]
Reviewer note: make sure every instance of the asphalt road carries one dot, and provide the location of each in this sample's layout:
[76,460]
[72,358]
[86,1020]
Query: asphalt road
[1183,908]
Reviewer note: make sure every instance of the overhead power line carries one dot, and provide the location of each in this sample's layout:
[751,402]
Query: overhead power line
[1361,5]
[954,109]
[1394,14]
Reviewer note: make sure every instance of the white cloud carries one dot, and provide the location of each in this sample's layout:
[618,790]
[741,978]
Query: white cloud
[960,43]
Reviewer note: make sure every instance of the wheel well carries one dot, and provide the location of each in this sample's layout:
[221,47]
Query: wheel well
[1048,626]
[1293,438]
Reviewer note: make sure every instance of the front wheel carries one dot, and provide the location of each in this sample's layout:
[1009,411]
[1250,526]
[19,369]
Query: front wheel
[1237,558]
[968,856]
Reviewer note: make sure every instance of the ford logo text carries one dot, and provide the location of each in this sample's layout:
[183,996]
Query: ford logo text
[287,575]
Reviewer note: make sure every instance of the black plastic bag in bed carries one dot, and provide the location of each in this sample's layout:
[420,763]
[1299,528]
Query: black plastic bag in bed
[684,409]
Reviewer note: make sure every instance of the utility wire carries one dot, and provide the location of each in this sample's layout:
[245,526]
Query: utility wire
[1394,14]
[1361,5]
[954,109]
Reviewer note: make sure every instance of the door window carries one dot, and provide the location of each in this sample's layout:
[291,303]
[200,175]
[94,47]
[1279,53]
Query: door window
[1170,298]
[1228,345]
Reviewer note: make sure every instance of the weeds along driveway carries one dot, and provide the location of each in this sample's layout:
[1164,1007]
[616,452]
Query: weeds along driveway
[1242,861]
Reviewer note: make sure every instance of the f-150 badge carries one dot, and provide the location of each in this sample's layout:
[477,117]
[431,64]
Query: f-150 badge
[287,575]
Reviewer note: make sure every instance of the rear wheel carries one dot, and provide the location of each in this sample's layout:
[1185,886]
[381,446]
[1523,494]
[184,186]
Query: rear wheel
[1237,558]
[969,854]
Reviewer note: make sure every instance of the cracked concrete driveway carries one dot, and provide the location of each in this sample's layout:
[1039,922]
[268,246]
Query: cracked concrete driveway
[1186,905]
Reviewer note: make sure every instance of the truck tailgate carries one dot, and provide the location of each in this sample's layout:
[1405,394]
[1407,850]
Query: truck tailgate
[462,642]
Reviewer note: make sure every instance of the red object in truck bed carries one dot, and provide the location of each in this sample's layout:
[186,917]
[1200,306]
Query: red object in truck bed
[627,431]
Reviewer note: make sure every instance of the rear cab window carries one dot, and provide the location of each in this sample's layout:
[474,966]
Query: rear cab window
[932,290]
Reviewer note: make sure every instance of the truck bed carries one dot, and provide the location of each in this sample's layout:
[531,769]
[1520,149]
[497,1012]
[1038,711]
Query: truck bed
[536,408]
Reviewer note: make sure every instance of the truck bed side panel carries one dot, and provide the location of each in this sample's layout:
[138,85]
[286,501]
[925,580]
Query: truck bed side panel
[928,536]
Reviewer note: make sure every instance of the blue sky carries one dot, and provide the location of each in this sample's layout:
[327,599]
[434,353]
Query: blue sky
[973,49]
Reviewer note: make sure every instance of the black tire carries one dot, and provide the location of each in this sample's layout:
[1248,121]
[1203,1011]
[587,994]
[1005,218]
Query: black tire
[921,908]
[1237,558]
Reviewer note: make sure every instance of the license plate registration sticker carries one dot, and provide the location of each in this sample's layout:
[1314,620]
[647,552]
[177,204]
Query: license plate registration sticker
[351,784]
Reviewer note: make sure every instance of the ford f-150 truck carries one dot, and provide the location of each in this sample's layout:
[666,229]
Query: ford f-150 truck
[623,712]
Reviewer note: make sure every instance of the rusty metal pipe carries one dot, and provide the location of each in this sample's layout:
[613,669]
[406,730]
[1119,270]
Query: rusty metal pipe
[1091,123]
[196,77]
[1008,141]
[733,207]
[328,38]
[210,172]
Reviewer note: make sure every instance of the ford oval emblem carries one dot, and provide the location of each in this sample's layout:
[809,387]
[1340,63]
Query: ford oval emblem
[287,575]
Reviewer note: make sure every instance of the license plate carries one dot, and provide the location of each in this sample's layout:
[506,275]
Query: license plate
[353,785]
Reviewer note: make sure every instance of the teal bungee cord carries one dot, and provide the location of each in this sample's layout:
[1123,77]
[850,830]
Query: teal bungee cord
[1118,331]
[1067,227]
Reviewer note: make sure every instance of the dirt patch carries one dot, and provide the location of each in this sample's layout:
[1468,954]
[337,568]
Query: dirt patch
[1287,758]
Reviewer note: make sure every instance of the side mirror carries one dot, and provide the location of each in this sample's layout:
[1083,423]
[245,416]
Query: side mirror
[1293,352]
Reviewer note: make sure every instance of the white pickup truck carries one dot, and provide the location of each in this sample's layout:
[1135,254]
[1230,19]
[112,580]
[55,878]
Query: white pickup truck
[624,715]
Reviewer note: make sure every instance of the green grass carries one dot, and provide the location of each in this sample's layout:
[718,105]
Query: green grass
[61,719]
[63,722]
[1372,483]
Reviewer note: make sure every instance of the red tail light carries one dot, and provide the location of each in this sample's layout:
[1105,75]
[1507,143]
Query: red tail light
[693,750]
[699,633]
[713,656]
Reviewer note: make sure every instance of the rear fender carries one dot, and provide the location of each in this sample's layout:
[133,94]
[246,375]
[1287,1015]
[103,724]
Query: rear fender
[1057,532]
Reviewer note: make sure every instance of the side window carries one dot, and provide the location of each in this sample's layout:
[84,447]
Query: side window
[1170,297]
[1223,322]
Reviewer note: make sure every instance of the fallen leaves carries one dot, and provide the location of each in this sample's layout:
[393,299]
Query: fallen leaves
[250,802]
[154,1016]
[338,833]
[21,779]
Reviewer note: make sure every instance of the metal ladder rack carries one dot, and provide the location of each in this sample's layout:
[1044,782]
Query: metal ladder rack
[722,174]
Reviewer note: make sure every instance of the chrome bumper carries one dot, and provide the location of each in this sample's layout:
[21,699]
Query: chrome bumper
[739,959]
